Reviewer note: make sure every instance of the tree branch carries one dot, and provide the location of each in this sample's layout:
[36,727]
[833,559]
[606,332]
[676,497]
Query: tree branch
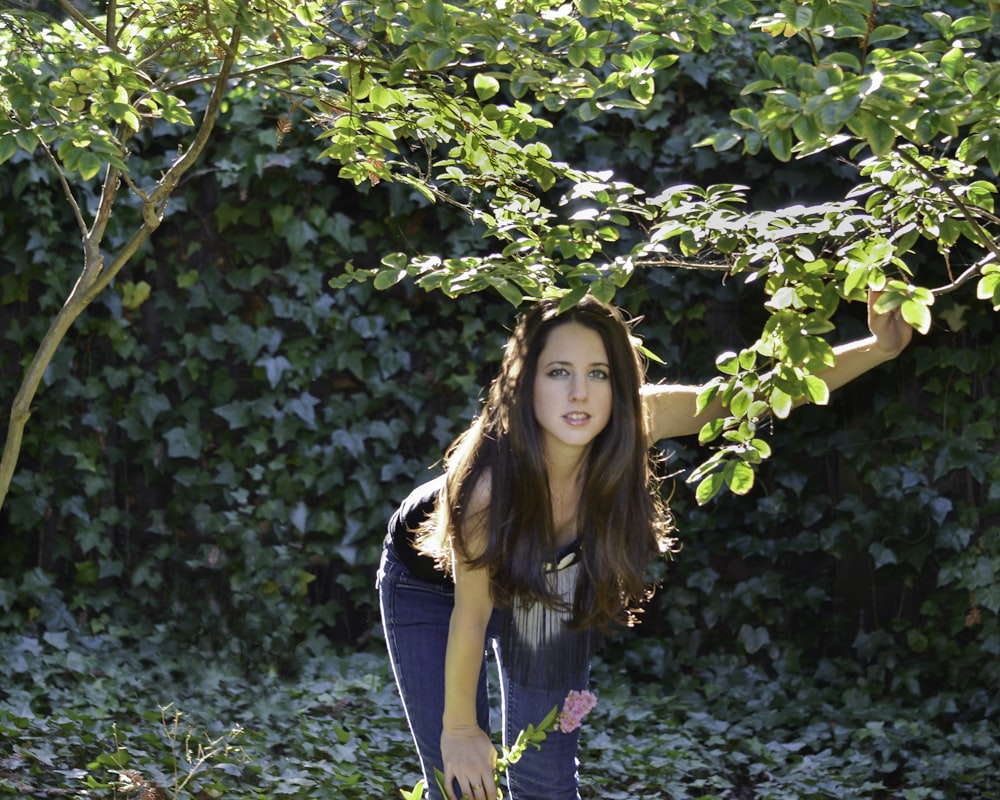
[154,203]
[111,39]
[86,289]
[67,189]
[966,276]
[79,18]
[285,62]
[663,261]
[985,240]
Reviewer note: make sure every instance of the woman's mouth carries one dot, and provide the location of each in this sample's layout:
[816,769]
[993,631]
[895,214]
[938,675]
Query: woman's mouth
[577,417]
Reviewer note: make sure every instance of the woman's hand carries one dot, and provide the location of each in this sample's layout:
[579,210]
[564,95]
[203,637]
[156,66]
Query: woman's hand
[469,758]
[892,333]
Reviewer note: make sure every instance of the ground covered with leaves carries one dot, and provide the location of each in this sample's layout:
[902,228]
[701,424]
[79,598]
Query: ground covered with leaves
[105,716]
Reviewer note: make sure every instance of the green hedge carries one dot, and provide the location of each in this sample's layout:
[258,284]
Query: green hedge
[222,437]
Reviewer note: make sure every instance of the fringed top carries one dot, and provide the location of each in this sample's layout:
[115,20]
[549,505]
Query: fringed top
[539,649]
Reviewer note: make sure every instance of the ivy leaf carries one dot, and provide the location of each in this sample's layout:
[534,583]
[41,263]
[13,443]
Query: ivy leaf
[753,638]
[183,442]
[135,294]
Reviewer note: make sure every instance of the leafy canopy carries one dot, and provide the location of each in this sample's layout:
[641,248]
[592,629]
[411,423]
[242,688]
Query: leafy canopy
[454,100]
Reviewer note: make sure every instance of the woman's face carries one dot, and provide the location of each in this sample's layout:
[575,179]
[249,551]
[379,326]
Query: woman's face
[572,394]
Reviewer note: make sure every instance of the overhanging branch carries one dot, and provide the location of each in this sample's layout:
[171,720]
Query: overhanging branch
[968,275]
[78,17]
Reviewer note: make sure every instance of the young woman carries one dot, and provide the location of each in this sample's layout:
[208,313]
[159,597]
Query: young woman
[536,540]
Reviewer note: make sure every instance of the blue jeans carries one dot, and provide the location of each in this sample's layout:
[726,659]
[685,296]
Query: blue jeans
[415,616]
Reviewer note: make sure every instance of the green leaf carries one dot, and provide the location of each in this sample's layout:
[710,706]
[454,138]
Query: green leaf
[386,278]
[763,448]
[887,33]
[8,146]
[382,97]
[779,141]
[728,363]
[917,314]
[440,56]
[381,129]
[709,487]
[781,403]
[880,135]
[740,402]
[816,390]
[988,288]
[711,431]
[510,292]
[88,165]
[486,86]
[706,396]
[739,477]
[572,297]
[856,279]
[434,10]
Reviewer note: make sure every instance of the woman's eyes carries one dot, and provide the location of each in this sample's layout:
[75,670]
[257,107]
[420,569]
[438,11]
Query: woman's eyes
[562,372]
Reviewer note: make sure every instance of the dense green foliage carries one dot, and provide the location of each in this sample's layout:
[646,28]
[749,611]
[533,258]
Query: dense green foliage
[220,439]
[225,435]
[157,722]
[455,103]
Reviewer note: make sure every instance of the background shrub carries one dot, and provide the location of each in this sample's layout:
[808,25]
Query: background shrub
[222,437]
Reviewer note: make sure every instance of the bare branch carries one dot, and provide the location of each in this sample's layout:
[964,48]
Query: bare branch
[78,16]
[663,261]
[285,62]
[966,276]
[67,189]
[154,203]
[985,240]
[111,37]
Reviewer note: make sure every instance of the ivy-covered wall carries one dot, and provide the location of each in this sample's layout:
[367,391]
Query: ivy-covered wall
[222,438]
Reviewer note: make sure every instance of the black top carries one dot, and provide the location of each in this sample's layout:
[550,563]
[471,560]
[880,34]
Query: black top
[411,513]
[541,649]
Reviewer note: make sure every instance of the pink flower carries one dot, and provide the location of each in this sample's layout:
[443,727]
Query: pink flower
[575,708]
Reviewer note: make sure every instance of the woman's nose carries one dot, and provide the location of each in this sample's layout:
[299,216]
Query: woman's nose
[578,388]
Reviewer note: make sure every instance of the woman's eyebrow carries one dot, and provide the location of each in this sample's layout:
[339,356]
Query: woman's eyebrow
[562,363]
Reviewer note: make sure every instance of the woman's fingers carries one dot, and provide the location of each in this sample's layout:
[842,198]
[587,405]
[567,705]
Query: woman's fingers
[481,789]
[472,788]
[469,758]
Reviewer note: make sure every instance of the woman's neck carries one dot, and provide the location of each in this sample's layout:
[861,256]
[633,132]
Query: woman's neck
[565,467]
[565,484]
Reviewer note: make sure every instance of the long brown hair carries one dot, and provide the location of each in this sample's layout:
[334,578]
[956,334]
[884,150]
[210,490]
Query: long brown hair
[624,522]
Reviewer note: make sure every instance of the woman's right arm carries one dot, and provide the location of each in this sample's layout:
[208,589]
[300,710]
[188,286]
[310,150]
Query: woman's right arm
[466,750]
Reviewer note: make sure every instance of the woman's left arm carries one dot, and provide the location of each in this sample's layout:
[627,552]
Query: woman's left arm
[671,408]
